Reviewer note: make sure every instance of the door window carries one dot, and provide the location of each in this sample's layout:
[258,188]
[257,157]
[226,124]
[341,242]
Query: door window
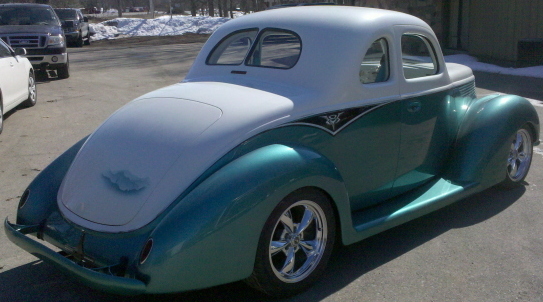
[418,57]
[4,51]
[375,66]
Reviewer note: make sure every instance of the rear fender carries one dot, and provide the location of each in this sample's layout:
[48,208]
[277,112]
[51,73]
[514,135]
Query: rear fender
[41,194]
[211,235]
[484,138]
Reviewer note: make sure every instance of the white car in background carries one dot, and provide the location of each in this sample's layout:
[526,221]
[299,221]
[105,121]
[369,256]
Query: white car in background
[17,81]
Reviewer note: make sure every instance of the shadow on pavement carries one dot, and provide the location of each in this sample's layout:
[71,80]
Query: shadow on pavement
[38,281]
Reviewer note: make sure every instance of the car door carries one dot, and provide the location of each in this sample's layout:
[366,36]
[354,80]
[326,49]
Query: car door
[370,143]
[12,78]
[425,109]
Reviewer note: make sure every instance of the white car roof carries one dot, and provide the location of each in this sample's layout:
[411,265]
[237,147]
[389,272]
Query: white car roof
[334,41]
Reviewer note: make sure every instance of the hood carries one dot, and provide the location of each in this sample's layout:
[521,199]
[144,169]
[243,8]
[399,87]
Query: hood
[148,152]
[30,29]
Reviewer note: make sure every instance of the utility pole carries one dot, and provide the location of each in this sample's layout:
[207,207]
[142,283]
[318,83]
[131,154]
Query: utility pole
[152,8]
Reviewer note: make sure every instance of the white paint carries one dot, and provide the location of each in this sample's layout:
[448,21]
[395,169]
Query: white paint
[14,72]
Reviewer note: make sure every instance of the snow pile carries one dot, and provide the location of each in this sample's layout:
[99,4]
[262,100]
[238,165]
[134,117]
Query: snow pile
[161,26]
[536,71]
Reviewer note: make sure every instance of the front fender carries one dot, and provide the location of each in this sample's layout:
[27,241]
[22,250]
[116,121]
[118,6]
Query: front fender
[484,138]
[210,237]
[41,194]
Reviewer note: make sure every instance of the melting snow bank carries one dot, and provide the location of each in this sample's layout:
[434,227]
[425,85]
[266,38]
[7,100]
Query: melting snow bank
[535,71]
[162,26]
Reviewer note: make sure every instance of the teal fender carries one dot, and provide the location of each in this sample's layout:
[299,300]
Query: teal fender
[41,194]
[484,138]
[211,235]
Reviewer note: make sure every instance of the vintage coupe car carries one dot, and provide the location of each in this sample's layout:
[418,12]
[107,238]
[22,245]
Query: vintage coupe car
[17,82]
[294,130]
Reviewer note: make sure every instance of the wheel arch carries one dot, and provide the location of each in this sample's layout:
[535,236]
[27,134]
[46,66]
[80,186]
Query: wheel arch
[482,142]
[211,222]
[42,191]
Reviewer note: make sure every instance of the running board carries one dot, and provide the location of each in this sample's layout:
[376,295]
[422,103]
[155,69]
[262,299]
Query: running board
[416,203]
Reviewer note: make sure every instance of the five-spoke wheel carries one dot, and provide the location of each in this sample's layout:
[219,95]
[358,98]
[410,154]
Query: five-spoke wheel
[519,159]
[295,244]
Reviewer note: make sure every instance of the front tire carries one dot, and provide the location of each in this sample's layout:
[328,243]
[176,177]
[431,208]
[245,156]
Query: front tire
[32,91]
[87,41]
[79,41]
[63,72]
[295,244]
[519,159]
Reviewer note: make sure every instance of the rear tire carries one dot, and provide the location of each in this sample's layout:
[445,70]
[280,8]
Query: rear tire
[519,159]
[295,244]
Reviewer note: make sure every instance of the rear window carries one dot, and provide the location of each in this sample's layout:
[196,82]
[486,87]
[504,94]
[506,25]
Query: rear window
[66,14]
[271,48]
[276,49]
[233,49]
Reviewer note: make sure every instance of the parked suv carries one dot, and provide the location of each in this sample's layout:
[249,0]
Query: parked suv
[75,26]
[36,28]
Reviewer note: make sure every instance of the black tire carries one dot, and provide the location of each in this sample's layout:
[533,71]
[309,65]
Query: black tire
[87,41]
[63,72]
[41,74]
[32,91]
[273,273]
[79,41]
[519,159]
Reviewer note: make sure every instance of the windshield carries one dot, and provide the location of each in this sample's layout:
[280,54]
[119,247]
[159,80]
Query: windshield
[25,15]
[66,14]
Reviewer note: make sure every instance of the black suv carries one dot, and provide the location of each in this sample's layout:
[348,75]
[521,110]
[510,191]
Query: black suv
[75,25]
[36,28]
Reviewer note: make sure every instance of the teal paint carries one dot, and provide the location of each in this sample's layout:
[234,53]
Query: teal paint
[209,234]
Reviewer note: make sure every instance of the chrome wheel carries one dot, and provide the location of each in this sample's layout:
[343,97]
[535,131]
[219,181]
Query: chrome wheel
[520,156]
[295,244]
[298,241]
[32,91]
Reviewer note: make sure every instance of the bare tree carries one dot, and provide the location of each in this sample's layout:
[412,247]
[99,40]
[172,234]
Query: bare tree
[211,8]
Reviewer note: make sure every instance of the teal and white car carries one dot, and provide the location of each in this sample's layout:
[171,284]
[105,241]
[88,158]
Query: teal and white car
[296,129]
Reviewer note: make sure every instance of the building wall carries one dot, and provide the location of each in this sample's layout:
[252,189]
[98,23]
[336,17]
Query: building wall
[428,10]
[496,26]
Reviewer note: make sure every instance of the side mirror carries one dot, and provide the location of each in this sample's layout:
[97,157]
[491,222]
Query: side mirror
[20,52]
[85,19]
[69,23]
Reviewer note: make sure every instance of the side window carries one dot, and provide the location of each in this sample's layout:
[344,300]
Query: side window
[375,66]
[232,49]
[418,57]
[276,49]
